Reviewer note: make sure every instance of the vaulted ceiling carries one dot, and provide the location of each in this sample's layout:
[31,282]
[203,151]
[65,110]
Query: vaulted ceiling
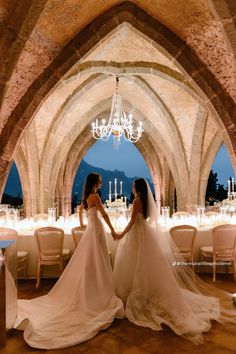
[176,62]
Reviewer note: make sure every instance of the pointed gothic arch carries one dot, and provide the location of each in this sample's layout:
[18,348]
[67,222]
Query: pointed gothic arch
[195,70]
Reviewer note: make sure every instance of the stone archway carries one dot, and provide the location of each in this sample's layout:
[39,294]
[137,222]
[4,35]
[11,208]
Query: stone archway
[56,159]
[195,70]
[83,142]
[225,12]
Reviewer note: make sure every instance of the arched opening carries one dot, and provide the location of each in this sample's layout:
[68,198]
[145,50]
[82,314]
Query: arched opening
[125,164]
[197,73]
[12,194]
[221,172]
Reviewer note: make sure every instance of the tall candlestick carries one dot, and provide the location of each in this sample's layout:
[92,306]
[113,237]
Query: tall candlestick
[232,184]
[121,187]
[109,188]
[115,188]
[229,186]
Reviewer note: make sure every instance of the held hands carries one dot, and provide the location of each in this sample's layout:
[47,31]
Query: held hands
[116,236]
[83,227]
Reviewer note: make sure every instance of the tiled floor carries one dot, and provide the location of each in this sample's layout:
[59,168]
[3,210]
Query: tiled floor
[125,338]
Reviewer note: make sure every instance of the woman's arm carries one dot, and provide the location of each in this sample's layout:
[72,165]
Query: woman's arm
[134,212]
[81,209]
[99,206]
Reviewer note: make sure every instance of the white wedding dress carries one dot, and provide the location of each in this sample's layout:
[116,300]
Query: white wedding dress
[156,291]
[81,303]
[145,282]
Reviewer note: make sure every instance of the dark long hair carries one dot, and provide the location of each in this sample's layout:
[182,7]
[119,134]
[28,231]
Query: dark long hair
[91,181]
[141,188]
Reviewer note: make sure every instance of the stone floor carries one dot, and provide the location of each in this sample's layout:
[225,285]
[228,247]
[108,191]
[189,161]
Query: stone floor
[125,338]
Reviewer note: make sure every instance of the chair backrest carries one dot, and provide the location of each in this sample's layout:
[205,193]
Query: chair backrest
[42,216]
[224,239]
[8,234]
[210,213]
[181,213]
[77,233]
[74,216]
[50,242]
[183,236]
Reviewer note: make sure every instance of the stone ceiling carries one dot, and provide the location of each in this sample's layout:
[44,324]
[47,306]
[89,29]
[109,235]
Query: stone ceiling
[60,21]
[172,102]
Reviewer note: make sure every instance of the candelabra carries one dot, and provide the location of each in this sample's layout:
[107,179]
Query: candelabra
[200,214]
[165,212]
[51,216]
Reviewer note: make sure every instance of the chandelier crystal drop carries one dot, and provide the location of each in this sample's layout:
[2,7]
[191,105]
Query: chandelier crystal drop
[119,123]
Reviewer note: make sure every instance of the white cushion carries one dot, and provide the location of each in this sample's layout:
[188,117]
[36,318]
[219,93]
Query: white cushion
[66,252]
[207,250]
[22,254]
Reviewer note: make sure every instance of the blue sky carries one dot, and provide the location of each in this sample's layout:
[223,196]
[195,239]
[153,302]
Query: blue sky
[128,159]
[222,166]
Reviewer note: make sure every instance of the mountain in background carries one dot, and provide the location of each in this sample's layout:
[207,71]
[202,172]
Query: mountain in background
[107,175]
[13,185]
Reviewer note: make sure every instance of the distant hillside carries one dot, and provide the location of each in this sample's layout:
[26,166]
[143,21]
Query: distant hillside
[13,186]
[107,175]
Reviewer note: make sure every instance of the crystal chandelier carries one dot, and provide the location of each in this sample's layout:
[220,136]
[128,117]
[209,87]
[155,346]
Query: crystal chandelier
[119,123]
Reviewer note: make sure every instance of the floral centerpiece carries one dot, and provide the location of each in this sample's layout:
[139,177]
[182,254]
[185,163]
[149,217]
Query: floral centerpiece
[117,204]
[229,203]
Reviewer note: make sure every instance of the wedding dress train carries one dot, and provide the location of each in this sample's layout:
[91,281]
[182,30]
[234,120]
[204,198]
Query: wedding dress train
[150,291]
[81,303]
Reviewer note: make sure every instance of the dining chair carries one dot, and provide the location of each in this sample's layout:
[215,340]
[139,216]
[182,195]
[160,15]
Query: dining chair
[183,236]
[77,233]
[49,242]
[74,216]
[211,213]
[40,216]
[223,247]
[21,256]
[181,213]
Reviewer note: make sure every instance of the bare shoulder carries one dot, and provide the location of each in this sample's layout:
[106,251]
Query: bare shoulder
[96,197]
[137,205]
[137,202]
[91,198]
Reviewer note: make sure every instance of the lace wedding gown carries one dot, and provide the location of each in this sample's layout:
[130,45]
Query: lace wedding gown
[145,281]
[81,303]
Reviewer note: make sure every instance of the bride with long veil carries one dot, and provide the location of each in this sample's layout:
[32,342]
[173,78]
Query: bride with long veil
[83,300]
[154,290]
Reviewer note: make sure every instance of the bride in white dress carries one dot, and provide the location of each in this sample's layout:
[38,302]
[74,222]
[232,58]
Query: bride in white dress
[154,290]
[83,300]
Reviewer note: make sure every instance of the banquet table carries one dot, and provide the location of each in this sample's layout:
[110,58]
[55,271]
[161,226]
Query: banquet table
[26,242]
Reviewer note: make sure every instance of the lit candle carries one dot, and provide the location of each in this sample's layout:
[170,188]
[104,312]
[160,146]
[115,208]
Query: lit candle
[232,184]
[121,187]
[229,186]
[109,188]
[115,188]
[125,201]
